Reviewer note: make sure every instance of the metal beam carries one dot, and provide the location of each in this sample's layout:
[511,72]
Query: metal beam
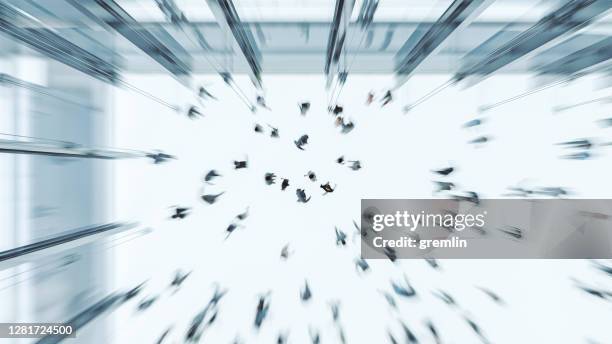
[68,150]
[586,102]
[428,38]
[229,21]
[61,242]
[24,28]
[104,306]
[176,60]
[174,14]
[366,13]
[570,17]
[337,37]
[582,59]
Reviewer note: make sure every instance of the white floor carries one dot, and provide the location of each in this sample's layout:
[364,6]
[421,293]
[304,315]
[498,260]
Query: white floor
[397,152]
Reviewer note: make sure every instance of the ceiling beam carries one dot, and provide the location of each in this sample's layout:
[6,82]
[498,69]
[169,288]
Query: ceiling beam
[169,53]
[337,37]
[16,24]
[549,30]
[428,38]
[247,50]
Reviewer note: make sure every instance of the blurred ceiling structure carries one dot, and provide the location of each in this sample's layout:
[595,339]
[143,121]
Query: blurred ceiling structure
[292,36]
[107,39]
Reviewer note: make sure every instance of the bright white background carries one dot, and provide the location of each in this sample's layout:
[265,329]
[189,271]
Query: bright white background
[397,152]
